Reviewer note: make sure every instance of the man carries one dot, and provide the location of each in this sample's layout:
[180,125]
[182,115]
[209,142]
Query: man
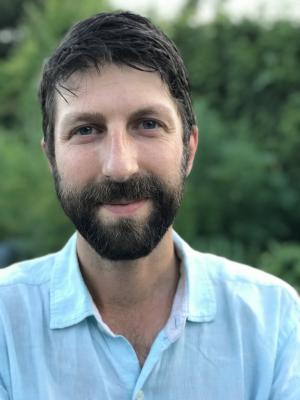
[127,310]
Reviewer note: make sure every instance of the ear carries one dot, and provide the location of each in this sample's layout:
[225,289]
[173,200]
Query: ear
[192,147]
[46,153]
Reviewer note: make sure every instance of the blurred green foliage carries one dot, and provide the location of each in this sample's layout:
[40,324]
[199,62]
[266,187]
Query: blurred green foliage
[242,196]
[244,191]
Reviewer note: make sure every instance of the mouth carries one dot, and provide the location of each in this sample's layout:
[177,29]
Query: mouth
[124,207]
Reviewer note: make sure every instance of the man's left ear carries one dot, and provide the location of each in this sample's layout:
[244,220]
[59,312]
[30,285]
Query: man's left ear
[192,147]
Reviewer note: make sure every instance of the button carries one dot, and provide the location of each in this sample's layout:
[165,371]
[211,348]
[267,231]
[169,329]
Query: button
[140,395]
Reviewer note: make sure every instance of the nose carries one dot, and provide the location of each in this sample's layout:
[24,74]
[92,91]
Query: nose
[120,156]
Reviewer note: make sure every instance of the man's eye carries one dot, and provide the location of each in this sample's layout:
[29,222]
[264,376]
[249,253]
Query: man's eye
[85,131]
[149,124]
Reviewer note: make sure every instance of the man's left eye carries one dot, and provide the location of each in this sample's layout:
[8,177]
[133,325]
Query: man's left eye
[149,124]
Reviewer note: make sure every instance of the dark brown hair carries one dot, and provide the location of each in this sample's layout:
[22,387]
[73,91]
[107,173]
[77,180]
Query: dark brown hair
[119,38]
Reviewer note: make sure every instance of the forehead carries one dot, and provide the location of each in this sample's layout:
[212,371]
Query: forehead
[113,89]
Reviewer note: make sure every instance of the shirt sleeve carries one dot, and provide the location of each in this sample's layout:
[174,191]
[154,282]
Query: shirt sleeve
[286,383]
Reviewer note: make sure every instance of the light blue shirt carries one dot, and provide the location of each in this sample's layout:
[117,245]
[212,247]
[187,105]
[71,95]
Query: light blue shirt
[233,334]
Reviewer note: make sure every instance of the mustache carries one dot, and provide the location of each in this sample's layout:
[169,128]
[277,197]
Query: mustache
[134,189]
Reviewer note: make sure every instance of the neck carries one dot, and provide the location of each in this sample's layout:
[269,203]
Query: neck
[126,284]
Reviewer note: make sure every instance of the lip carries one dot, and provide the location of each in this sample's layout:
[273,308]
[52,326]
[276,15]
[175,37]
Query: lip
[123,208]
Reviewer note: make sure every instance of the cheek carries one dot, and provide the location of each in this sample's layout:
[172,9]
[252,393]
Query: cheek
[165,160]
[76,165]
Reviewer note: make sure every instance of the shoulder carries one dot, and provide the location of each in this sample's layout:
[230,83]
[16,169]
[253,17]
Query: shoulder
[238,292]
[223,271]
[31,272]
[252,294]
[224,274]
[24,285]
[37,271]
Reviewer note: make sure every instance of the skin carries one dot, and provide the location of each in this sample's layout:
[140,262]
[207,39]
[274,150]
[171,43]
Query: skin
[123,122]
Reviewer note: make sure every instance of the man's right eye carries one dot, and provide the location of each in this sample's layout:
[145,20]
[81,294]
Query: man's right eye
[85,131]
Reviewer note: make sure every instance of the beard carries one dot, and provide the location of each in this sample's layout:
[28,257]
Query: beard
[126,238]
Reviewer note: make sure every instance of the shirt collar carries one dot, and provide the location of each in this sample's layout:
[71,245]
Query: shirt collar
[71,302]
[200,293]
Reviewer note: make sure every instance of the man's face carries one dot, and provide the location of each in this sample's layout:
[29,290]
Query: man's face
[120,163]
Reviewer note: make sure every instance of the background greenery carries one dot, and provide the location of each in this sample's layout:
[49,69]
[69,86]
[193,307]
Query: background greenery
[242,199]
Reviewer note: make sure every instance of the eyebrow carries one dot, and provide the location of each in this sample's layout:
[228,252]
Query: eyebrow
[98,117]
[158,110]
[76,117]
